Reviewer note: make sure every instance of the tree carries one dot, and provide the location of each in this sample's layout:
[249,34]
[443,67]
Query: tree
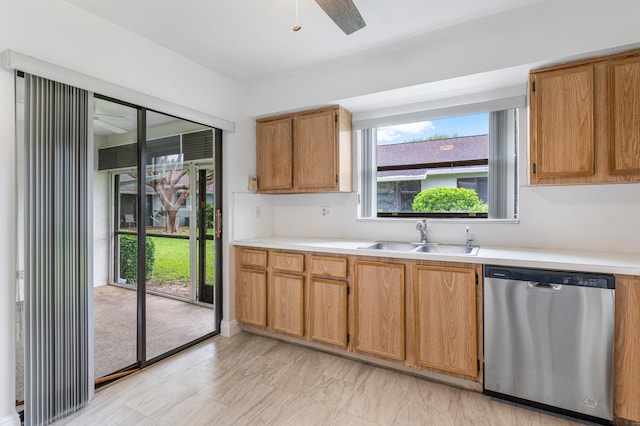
[173,191]
[166,186]
[446,199]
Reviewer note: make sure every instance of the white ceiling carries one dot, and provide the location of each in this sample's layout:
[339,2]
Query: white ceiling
[252,41]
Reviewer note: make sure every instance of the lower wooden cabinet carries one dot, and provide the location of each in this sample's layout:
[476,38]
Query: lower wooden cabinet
[286,294]
[446,319]
[379,309]
[434,325]
[627,348]
[251,297]
[328,311]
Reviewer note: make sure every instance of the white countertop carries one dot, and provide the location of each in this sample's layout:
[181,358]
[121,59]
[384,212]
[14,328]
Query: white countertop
[581,261]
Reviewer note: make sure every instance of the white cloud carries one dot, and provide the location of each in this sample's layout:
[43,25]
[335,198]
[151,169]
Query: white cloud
[413,128]
[387,134]
[402,132]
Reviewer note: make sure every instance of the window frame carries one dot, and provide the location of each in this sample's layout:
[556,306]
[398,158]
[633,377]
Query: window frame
[367,168]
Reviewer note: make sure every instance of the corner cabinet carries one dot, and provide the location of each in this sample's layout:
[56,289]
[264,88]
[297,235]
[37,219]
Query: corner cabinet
[627,348]
[251,287]
[584,121]
[305,152]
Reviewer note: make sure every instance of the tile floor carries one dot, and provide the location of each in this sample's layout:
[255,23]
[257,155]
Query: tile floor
[252,380]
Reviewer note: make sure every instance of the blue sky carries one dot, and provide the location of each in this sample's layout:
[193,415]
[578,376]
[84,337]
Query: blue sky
[466,125]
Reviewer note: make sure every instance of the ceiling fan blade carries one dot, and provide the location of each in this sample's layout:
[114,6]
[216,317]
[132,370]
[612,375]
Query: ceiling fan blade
[344,13]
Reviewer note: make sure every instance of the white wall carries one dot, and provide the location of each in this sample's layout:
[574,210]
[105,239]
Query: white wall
[546,31]
[59,33]
[595,217]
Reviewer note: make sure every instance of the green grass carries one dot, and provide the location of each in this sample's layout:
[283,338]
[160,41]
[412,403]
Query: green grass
[172,261]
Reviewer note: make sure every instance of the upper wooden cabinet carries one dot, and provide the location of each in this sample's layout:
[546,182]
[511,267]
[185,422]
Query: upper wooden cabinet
[564,125]
[308,151]
[624,109]
[274,154]
[585,121]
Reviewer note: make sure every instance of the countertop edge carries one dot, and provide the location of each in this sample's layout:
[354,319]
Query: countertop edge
[609,263]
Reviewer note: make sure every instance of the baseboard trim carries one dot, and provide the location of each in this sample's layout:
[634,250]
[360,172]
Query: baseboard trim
[391,365]
[228,329]
[10,420]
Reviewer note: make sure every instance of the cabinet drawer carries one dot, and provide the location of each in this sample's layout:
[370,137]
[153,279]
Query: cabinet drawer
[251,257]
[329,266]
[293,262]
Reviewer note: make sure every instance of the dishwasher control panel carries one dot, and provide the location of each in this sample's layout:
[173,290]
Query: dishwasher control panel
[580,279]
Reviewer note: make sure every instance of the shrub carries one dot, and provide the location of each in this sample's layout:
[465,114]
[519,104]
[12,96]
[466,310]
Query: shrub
[209,214]
[446,199]
[129,257]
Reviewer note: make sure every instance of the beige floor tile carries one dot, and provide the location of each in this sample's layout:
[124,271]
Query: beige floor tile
[479,409]
[252,380]
[265,410]
[378,395]
[160,398]
[195,410]
[434,395]
[415,413]
[116,416]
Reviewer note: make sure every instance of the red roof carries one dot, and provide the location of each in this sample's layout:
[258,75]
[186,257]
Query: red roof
[434,151]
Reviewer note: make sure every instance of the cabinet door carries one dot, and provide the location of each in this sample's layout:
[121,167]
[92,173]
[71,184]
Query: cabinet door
[627,348]
[251,297]
[287,304]
[274,154]
[445,319]
[316,151]
[624,112]
[328,311]
[562,124]
[379,309]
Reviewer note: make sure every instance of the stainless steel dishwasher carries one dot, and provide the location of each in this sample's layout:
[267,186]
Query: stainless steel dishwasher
[548,339]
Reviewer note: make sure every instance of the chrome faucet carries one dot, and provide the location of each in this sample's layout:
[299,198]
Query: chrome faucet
[469,240]
[422,227]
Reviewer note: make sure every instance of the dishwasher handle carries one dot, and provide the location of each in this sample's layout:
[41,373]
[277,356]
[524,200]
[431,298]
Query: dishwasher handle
[544,286]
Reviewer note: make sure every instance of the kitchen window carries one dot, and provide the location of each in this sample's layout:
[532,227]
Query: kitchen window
[452,163]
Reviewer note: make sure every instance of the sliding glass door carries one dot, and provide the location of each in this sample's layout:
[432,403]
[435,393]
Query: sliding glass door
[164,192]
[116,230]
[179,153]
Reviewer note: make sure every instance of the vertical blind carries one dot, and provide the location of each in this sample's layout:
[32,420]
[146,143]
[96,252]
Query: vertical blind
[56,250]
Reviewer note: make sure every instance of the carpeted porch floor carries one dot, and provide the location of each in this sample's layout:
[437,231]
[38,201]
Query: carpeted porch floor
[170,323]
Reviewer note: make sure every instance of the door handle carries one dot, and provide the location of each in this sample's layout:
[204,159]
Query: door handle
[544,286]
[218,223]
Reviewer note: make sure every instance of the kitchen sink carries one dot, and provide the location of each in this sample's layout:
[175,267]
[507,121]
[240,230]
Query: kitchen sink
[391,246]
[431,248]
[447,249]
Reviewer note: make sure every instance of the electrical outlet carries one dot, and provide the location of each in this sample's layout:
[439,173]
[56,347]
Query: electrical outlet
[325,211]
[252,184]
